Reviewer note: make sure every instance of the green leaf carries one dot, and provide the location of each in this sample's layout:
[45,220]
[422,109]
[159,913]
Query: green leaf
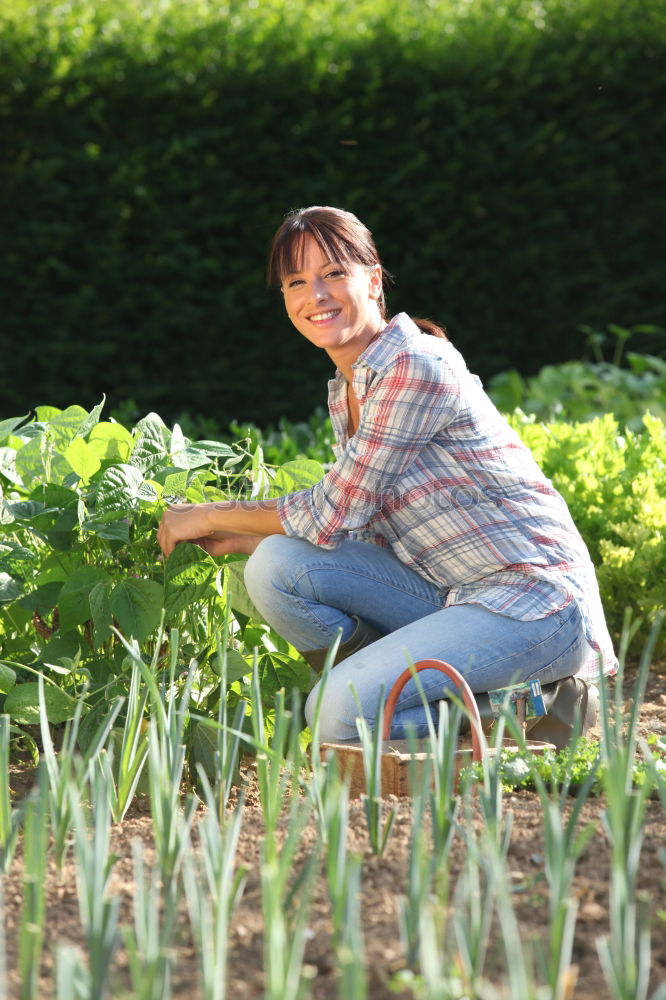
[238,595]
[11,552]
[149,493]
[92,419]
[10,589]
[117,491]
[9,425]
[82,458]
[111,442]
[26,510]
[279,671]
[298,475]
[67,424]
[215,449]
[61,530]
[100,609]
[190,458]
[7,678]
[112,531]
[188,573]
[22,704]
[46,413]
[137,606]
[38,461]
[44,598]
[53,510]
[203,750]
[55,497]
[8,466]
[150,450]
[237,665]
[61,646]
[75,596]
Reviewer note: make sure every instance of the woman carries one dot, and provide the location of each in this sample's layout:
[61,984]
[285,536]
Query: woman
[434,534]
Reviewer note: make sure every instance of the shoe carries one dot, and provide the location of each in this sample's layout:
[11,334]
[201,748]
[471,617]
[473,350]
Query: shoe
[572,704]
[566,701]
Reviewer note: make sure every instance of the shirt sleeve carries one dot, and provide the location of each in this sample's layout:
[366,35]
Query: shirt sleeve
[404,409]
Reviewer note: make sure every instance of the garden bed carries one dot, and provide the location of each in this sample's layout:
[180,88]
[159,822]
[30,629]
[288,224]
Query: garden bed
[383,880]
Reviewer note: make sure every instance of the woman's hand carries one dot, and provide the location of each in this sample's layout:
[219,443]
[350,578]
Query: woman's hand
[184,522]
[192,523]
[220,544]
[214,526]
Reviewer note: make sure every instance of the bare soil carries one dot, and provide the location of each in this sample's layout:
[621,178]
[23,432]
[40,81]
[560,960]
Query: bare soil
[383,881]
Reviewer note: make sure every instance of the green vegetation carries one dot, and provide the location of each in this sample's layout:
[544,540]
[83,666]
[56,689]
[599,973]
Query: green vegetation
[158,674]
[614,485]
[582,390]
[502,153]
[452,946]
[80,576]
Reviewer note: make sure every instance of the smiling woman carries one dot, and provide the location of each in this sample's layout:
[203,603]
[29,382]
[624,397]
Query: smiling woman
[334,305]
[382,552]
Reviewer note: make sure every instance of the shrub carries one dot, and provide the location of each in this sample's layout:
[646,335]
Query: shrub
[615,486]
[503,154]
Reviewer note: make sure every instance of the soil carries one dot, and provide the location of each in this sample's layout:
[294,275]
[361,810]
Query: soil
[383,881]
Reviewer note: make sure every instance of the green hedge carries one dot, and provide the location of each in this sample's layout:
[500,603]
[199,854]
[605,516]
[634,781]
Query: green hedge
[506,157]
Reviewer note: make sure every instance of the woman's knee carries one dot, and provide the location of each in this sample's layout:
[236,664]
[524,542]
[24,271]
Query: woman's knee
[267,563]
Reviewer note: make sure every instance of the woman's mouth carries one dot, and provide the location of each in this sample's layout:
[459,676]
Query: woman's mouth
[325,316]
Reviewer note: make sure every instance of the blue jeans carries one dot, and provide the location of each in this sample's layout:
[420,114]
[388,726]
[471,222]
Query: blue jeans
[308,594]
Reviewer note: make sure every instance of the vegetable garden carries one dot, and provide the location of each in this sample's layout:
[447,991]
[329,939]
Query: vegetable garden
[167,825]
[182,834]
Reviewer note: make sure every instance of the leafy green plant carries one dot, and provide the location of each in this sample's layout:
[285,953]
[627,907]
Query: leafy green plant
[213,888]
[80,570]
[564,842]
[614,485]
[72,981]
[419,878]
[67,773]
[99,913]
[149,942]
[135,261]
[625,953]
[9,817]
[472,914]
[350,948]
[379,819]
[33,910]
[582,390]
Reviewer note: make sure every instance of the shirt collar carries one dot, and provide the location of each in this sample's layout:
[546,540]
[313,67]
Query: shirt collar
[396,335]
[393,338]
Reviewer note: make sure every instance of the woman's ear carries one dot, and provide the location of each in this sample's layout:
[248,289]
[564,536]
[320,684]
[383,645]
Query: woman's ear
[376,282]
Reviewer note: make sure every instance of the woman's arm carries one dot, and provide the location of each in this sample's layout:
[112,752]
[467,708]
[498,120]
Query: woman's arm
[216,526]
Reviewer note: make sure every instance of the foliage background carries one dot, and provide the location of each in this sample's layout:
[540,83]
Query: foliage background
[507,157]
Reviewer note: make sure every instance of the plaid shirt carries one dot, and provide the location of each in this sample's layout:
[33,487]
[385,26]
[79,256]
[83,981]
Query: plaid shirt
[436,473]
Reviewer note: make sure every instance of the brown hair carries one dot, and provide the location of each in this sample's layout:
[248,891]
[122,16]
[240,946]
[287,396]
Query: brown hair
[338,234]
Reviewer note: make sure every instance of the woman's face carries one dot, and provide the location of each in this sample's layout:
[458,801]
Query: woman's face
[333,305]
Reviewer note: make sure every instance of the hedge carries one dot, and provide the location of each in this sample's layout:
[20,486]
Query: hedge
[507,158]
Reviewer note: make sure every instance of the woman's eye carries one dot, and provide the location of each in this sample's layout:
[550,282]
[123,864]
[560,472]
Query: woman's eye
[294,282]
[337,273]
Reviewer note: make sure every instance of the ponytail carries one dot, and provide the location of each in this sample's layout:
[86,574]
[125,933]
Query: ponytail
[427,326]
